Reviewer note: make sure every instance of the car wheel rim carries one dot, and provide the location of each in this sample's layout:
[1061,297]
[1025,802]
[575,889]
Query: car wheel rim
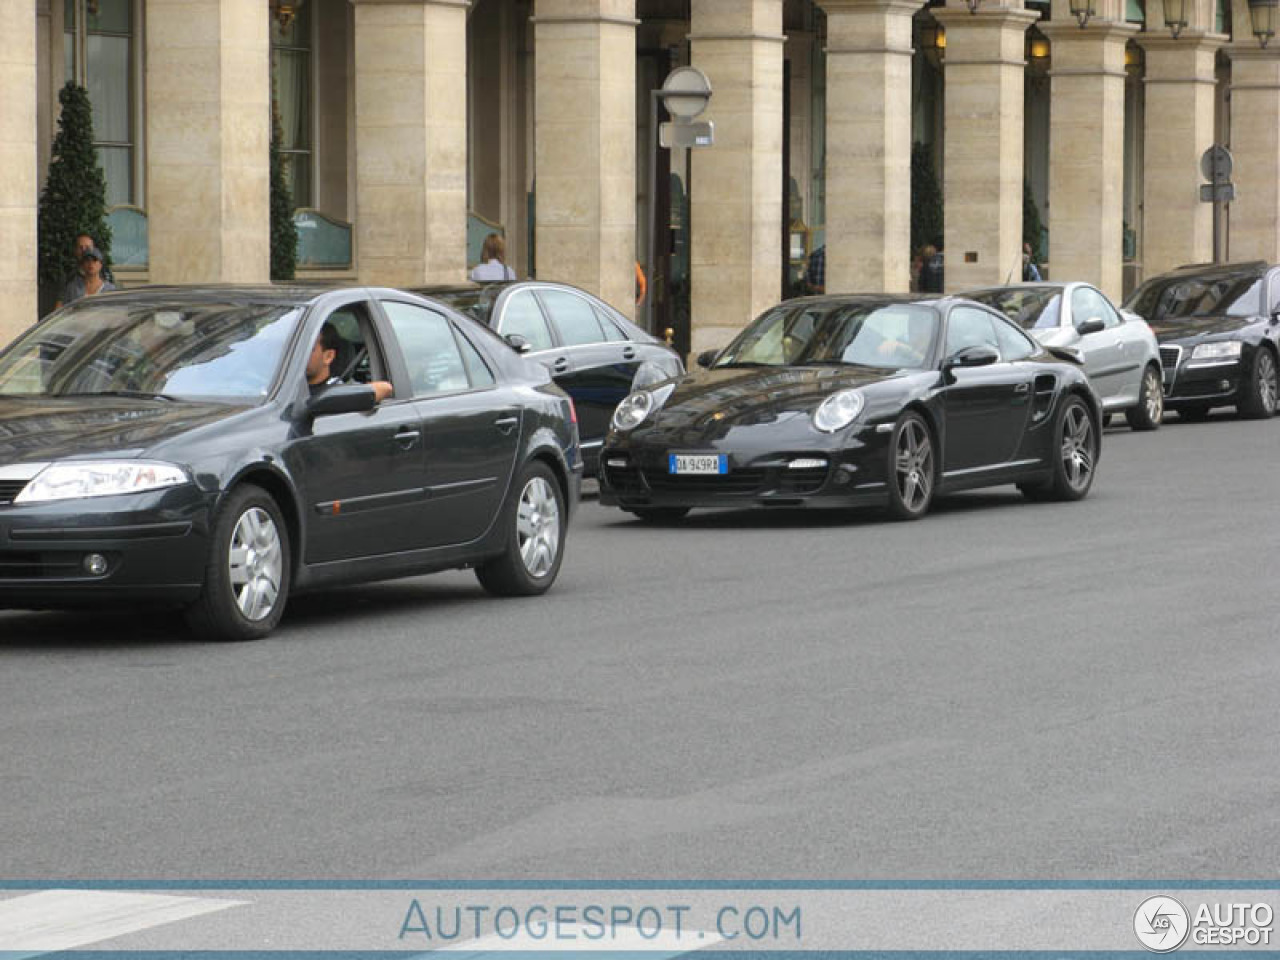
[914,459]
[1155,398]
[538,527]
[1267,390]
[1077,447]
[256,564]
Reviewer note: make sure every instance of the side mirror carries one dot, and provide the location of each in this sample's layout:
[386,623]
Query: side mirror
[707,357]
[1092,325]
[977,356]
[342,398]
[518,343]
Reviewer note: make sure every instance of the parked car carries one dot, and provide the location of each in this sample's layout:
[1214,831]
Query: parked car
[853,400]
[164,445]
[1219,333]
[1119,351]
[592,351]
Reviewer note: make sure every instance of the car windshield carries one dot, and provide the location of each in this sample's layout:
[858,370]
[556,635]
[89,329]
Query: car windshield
[1167,298]
[208,351]
[891,336]
[476,304]
[1031,308]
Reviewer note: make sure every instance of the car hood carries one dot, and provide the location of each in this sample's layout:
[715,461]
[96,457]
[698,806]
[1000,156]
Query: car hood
[38,429]
[757,395]
[1187,328]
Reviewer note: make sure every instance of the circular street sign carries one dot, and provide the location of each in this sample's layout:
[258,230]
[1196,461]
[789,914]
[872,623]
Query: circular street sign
[1216,164]
[686,92]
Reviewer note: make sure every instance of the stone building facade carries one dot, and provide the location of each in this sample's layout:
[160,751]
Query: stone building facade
[413,126]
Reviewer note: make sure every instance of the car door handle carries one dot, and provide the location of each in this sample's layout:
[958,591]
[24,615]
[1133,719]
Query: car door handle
[561,364]
[1023,387]
[407,437]
[629,353]
[506,424]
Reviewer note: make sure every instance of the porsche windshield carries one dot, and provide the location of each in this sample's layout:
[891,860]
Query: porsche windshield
[206,351]
[891,336]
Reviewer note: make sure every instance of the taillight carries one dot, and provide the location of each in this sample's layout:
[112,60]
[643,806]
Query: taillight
[573,412]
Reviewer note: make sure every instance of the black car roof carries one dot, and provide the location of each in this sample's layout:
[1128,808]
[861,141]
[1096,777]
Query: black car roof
[835,299]
[1249,267]
[294,294]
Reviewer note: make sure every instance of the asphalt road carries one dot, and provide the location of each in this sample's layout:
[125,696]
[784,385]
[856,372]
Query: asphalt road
[1002,690]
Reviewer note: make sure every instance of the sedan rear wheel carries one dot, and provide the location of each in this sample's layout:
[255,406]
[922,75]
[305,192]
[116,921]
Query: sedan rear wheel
[535,519]
[1149,412]
[247,574]
[1262,389]
[911,468]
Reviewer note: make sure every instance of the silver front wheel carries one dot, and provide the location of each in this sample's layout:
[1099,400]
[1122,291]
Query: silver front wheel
[255,564]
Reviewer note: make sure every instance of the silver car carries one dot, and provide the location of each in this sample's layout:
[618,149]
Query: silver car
[1118,349]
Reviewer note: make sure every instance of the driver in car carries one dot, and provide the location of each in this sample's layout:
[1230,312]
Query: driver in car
[323,353]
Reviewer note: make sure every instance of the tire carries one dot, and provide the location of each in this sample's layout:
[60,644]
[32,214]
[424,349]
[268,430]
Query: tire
[1075,455]
[247,576]
[1193,414]
[912,470]
[1149,412]
[658,514]
[1263,388]
[536,523]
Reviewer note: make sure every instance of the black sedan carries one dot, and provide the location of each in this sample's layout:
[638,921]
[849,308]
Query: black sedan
[1219,333]
[597,355]
[223,448]
[846,401]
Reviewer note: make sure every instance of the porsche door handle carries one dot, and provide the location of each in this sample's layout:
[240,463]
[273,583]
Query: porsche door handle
[1022,388]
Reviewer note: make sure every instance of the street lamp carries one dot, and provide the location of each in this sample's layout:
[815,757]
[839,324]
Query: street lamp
[1175,16]
[284,11]
[1082,10]
[1263,15]
[933,41]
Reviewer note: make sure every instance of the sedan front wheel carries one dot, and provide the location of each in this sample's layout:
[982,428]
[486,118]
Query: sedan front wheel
[536,527]
[1262,388]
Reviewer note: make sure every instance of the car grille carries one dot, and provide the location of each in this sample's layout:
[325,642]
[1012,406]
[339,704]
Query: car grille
[1169,357]
[806,480]
[733,483]
[24,565]
[10,489]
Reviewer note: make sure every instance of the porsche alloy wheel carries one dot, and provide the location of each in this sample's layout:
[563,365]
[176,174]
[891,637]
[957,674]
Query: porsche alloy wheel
[912,468]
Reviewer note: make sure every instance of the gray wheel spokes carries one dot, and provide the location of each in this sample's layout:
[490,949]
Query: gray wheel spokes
[255,564]
[1155,398]
[1267,389]
[1077,447]
[914,463]
[538,527]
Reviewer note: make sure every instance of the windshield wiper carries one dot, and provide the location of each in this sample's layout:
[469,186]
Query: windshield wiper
[743,363]
[130,394]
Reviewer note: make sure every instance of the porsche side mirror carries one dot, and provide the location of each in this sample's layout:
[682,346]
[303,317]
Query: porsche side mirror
[342,398]
[518,343]
[707,357]
[976,356]
[1092,325]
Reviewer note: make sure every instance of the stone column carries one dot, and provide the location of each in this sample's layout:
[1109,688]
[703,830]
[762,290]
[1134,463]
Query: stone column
[411,141]
[1086,151]
[1255,146]
[868,230]
[736,190]
[18,188]
[208,119]
[1177,228]
[982,159]
[584,145]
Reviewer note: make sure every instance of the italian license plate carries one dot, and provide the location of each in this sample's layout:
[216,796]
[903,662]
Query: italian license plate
[697,463]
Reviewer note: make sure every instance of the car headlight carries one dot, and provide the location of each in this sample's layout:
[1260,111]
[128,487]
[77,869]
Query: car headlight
[105,478]
[632,411]
[839,410]
[1221,350]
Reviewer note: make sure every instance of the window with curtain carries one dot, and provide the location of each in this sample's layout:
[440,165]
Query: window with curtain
[291,91]
[99,53]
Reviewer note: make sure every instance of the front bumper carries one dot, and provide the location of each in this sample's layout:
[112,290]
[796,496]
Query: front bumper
[155,546]
[854,474]
[1215,383]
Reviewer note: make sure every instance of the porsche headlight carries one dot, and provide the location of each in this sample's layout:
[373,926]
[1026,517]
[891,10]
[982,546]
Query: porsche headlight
[1221,350]
[99,478]
[632,411]
[839,410]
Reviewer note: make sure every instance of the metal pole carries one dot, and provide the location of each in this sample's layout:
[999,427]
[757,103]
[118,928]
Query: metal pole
[651,255]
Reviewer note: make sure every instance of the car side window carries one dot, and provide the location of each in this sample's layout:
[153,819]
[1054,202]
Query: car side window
[573,316]
[357,359]
[523,316]
[1014,344]
[1273,297]
[477,369]
[967,327]
[612,331]
[1087,303]
[430,349]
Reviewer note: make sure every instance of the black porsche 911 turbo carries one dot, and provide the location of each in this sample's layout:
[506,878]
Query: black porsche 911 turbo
[857,400]
[1219,331]
[219,448]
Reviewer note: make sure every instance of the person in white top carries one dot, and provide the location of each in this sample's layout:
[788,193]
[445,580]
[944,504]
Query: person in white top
[492,266]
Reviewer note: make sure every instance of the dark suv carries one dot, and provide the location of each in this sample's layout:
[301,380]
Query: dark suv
[1219,332]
